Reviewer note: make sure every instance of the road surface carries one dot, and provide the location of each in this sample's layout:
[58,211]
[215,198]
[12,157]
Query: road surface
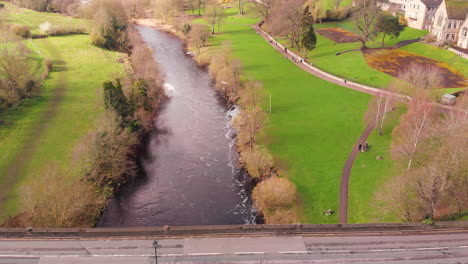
[426,247]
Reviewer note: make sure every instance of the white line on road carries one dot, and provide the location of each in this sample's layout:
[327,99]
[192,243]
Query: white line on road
[294,252]
[249,253]
[203,254]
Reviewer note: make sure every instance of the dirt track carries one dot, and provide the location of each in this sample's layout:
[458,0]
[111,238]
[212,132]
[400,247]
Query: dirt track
[17,166]
[338,35]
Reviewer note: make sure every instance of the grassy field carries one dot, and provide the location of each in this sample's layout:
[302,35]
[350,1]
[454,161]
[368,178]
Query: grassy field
[368,174]
[314,123]
[33,19]
[43,130]
[351,65]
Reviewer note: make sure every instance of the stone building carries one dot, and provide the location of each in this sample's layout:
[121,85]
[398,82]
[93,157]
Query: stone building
[450,19]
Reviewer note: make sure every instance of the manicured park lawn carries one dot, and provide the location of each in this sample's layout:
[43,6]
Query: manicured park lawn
[79,70]
[314,123]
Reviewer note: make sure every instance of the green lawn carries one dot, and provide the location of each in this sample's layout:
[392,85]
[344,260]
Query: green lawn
[33,19]
[314,123]
[352,65]
[368,174]
[44,129]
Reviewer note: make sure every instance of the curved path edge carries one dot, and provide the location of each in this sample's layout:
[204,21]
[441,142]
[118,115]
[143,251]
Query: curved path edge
[346,173]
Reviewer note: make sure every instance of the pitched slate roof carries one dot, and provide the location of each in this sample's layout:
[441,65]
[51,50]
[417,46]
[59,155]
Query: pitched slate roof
[457,9]
[431,2]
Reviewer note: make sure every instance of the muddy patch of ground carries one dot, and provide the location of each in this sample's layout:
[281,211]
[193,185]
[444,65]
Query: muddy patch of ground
[394,61]
[338,35]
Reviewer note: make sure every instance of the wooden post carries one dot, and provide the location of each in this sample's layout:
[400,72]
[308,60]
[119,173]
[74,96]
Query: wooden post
[270,105]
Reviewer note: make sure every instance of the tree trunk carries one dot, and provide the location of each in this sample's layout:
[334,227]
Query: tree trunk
[385,33]
[384,114]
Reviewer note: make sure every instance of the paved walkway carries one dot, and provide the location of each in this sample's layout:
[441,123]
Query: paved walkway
[301,63]
[344,184]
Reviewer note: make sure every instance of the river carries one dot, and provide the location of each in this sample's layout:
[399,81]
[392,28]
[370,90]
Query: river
[192,175]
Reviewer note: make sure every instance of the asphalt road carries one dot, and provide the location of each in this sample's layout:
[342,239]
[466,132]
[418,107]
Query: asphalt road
[429,247]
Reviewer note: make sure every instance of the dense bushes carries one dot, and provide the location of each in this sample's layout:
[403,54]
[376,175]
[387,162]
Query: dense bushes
[16,79]
[63,6]
[275,198]
[20,30]
[110,25]
[53,201]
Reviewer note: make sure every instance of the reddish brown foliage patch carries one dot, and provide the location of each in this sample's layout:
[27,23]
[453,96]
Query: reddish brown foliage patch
[338,35]
[394,61]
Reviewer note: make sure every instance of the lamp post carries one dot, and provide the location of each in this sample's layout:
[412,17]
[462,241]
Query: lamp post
[155,245]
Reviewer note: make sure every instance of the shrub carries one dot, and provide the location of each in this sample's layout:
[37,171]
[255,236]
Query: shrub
[274,197]
[110,25]
[20,30]
[2,5]
[111,158]
[115,99]
[257,161]
[58,30]
[274,192]
[52,200]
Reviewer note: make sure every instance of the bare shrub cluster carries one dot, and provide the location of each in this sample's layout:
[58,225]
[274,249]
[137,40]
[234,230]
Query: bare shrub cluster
[59,30]
[16,71]
[54,200]
[110,24]
[63,6]
[275,197]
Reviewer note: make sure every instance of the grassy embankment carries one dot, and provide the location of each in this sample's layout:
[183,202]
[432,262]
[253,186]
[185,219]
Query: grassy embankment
[313,125]
[33,19]
[71,97]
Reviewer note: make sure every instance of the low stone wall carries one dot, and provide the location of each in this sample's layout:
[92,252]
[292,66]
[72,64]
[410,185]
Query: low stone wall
[459,53]
[178,231]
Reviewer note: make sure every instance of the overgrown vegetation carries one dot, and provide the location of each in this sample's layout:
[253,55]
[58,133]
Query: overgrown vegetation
[110,24]
[17,79]
[105,157]
[432,148]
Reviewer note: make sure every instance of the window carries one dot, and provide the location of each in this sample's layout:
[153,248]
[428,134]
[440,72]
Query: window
[464,31]
[447,37]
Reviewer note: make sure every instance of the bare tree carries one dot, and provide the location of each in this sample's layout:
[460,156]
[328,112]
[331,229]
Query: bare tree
[264,8]
[252,94]
[286,19]
[167,10]
[364,15]
[214,15]
[198,36]
[414,127]
[440,185]
[418,77]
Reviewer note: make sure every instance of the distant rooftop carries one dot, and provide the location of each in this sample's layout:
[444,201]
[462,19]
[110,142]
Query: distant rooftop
[431,2]
[457,9]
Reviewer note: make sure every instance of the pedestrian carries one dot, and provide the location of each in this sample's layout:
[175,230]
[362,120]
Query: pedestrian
[344,81]
[285,50]
[359,147]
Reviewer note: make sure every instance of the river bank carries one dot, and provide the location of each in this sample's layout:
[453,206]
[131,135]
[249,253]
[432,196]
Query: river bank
[192,170]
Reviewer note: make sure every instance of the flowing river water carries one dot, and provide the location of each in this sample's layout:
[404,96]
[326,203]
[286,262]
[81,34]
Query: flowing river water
[192,175]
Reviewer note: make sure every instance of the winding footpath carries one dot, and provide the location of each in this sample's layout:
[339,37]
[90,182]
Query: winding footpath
[301,63]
